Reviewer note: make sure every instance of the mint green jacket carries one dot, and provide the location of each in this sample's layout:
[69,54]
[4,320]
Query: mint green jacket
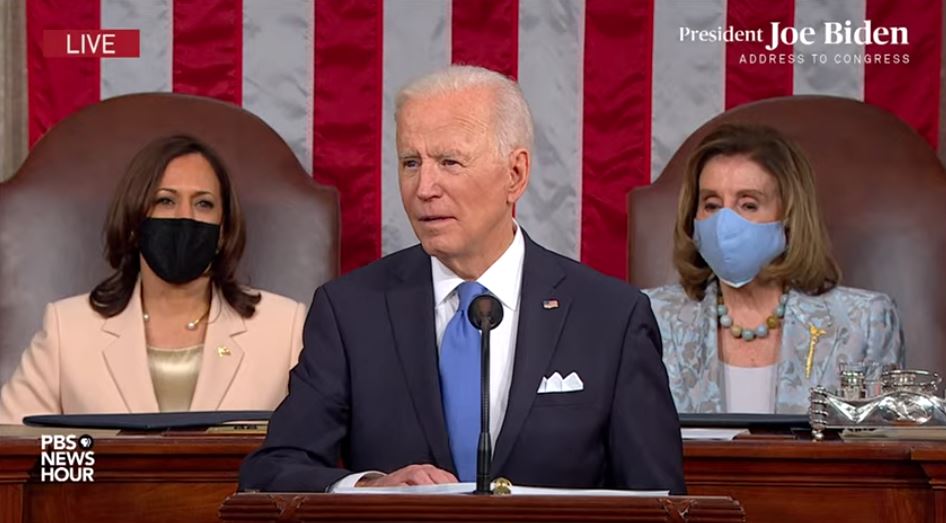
[858,325]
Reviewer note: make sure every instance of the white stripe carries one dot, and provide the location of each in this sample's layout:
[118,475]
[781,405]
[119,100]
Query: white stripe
[550,73]
[152,70]
[581,129]
[688,77]
[277,69]
[416,42]
[831,78]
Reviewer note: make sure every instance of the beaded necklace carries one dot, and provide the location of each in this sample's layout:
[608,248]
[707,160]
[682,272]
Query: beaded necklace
[738,331]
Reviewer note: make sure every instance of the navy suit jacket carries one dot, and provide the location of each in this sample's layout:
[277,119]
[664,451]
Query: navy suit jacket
[366,391]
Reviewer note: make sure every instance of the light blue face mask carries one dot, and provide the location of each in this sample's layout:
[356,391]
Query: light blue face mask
[735,248]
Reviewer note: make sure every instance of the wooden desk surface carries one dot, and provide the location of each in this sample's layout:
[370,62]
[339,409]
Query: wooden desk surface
[185,478]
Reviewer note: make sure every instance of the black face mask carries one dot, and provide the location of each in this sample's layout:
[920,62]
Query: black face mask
[178,250]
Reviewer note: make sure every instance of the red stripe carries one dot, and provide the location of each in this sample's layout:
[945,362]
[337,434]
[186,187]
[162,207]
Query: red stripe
[208,49]
[58,86]
[909,90]
[747,81]
[486,33]
[617,115]
[347,120]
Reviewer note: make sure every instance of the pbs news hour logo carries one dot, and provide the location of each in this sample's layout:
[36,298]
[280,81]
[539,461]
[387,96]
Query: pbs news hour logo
[66,458]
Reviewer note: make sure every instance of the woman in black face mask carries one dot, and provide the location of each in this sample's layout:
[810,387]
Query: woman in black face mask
[171,329]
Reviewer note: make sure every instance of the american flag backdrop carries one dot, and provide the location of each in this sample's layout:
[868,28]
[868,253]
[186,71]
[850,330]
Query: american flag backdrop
[613,88]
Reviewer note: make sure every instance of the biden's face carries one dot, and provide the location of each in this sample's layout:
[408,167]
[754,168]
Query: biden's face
[456,187]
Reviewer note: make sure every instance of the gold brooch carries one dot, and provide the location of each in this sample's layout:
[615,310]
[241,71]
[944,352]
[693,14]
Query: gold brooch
[815,334]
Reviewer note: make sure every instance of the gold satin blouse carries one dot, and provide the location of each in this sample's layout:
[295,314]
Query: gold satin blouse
[174,374]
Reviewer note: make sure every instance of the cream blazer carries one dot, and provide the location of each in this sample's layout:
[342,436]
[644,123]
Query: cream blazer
[81,363]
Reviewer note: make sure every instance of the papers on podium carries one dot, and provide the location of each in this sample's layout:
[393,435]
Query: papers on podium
[711,434]
[25,431]
[895,433]
[515,490]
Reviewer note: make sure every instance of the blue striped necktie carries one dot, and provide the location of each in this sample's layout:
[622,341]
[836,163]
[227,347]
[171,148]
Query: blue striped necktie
[460,382]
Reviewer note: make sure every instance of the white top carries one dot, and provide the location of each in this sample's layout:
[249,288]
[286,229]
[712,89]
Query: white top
[503,279]
[749,389]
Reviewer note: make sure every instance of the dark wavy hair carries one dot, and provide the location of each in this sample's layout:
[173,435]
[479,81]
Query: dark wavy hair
[132,203]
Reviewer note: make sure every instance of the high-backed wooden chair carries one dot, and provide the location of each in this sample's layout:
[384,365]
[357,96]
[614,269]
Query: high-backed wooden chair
[882,192]
[53,210]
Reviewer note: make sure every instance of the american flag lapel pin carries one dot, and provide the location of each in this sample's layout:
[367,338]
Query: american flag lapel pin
[550,304]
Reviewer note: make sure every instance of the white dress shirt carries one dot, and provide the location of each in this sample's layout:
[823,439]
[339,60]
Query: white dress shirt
[503,279]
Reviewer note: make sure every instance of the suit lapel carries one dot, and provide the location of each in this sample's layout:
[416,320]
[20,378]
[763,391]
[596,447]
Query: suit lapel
[410,302]
[537,337]
[126,357]
[222,355]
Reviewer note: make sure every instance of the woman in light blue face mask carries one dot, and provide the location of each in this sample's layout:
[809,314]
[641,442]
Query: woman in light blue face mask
[758,318]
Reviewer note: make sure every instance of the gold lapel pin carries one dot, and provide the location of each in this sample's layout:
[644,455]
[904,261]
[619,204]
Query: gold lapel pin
[815,334]
[550,304]
[223,350]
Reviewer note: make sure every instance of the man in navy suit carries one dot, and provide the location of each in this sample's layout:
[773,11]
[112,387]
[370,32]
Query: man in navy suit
[579,394]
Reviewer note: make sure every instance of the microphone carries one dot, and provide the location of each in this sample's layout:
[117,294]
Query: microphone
[485,313]
[485,308]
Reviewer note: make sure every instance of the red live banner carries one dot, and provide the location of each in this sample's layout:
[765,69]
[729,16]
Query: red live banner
[83,43]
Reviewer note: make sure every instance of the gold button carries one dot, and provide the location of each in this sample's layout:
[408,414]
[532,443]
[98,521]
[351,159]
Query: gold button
[223,351]
[502,487]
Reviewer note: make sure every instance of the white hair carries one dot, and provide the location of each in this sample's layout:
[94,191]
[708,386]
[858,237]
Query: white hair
[512,117]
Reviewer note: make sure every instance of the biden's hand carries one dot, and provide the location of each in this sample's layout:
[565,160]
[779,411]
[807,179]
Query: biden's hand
[409,475]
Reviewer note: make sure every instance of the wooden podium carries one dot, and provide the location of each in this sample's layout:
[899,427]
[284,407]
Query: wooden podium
[185,478]
[301,508]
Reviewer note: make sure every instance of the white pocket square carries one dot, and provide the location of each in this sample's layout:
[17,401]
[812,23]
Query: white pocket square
[555,383]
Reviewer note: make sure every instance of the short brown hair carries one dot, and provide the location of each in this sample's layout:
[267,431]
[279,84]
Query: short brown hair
[130,206]
[807,263]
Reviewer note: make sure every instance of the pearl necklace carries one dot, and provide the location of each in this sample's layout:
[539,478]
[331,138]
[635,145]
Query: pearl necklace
[191,325]
[737,331]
